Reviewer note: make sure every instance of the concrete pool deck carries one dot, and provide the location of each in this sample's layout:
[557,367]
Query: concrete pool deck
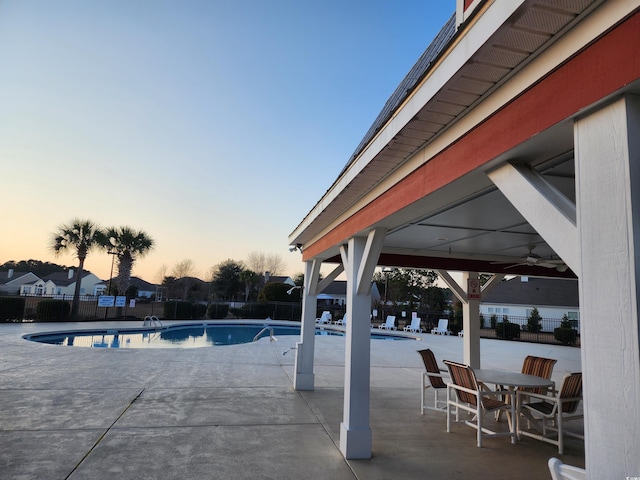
[231,412]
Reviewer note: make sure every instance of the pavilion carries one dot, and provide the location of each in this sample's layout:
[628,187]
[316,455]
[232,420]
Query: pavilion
[511,147]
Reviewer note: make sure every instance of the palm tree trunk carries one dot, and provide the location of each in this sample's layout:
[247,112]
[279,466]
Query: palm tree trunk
[75,305]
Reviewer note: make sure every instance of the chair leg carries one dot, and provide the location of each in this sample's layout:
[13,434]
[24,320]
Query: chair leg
[479,421]
[422,394]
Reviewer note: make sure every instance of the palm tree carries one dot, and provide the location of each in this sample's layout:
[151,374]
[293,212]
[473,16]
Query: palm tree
[81,236]
[129,245]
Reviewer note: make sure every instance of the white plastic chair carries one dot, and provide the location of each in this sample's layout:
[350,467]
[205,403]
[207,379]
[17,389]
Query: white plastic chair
[324,318]
[390,324]
[562,471]
[442,328]
[415,325]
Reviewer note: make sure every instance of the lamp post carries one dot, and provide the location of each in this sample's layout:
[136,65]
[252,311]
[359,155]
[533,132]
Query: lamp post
[113,252]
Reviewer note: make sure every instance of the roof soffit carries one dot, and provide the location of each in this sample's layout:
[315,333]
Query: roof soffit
[449,92]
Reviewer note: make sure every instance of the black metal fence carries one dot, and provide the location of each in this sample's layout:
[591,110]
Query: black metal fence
[507,327]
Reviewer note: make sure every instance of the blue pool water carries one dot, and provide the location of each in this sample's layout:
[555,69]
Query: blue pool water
[177,336]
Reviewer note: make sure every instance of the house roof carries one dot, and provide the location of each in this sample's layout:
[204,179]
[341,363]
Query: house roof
[62,278]
[4,276]
[143,284]
[534,292]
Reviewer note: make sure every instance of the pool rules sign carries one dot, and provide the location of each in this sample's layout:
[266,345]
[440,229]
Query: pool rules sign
[473,289]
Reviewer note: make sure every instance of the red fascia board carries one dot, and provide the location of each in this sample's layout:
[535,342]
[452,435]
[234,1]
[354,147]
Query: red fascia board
[599,70]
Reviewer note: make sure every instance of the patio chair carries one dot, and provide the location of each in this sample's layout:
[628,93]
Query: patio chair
[550,412]
[442,328]
[324,318]
[415,325]
[539,367]
[470,397]
[432,378]
[390,324]
[562,471]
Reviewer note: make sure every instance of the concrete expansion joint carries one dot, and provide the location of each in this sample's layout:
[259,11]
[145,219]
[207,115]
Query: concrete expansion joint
[105,433]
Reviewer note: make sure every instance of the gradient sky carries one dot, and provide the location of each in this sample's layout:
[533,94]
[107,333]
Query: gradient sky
[214,126]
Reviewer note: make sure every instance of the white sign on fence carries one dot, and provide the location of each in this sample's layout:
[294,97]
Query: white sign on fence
[121,301]
[106,300]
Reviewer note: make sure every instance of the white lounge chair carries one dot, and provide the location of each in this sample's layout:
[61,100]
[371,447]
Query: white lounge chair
[562,471]
[324,318]
[442,328]
[415,325]
[341,321]
[390,324]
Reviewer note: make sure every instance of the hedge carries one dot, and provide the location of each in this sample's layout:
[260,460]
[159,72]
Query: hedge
[11,308]
[53,311]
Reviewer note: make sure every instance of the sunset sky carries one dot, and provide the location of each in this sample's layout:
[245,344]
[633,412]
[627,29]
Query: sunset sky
[214,126]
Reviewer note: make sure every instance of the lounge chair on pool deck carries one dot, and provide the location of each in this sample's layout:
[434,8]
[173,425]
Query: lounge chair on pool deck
[342,321]
[390,324]
[415,325]
[324,318]
[442,328]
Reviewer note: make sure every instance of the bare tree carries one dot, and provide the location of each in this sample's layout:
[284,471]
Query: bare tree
[275,264]
[161,274]
[260,262]
[185,268]
[257,262]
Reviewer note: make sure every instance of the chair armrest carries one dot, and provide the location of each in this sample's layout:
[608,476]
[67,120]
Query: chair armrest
[543,396]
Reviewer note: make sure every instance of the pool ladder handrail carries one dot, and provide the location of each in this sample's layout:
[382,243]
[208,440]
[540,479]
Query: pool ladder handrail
[152,321]
[271,337]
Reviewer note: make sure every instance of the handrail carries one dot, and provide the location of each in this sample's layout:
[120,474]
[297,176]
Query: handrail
[271,337]
[151,321]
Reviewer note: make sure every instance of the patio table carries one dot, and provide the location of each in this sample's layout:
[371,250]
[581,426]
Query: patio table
[511,380]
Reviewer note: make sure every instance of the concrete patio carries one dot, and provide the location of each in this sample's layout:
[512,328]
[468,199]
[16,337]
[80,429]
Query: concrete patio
[231,412]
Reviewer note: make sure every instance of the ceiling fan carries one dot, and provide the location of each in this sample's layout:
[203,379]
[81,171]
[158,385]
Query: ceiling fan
[533,260]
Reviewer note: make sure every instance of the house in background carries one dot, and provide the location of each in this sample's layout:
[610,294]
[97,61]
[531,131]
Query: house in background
[518,296]
[64,283]
[11,281]
[145,289]
[336,294]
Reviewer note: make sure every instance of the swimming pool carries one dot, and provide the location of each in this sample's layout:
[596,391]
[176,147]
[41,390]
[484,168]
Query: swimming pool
[180,336]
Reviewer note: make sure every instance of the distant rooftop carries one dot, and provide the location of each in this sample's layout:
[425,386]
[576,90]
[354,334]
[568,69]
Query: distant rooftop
[535,292]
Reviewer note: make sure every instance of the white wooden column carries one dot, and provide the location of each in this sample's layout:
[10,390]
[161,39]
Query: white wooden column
[607,149]
[470,311]
[359,257]
[471,321]
[303,377]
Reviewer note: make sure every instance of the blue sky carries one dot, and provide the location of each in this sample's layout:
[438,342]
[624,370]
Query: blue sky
[214,126]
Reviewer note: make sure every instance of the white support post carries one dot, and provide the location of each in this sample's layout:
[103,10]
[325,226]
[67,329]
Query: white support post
[470,315]
[607,146]
[471,321]
[303,377]
[360,257]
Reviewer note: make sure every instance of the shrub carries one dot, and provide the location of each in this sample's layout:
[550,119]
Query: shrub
[177,310]
[482,321]
[216,311]
[493,320]
[53,311]
[198,311]
[565,333]
[11,308]
[534,324]
[507,330]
